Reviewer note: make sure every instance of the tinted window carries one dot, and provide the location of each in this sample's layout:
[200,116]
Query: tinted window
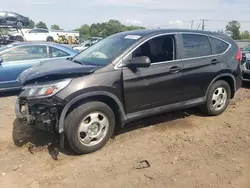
[25,53]
[218,45]
[33,31]
[159,49]
[196,46]
[55,52]
[42,31]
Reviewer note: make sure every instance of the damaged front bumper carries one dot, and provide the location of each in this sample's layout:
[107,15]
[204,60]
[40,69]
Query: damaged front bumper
[39,113]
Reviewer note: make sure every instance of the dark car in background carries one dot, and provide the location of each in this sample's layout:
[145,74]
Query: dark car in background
[13,19]
[129,76]
[245,63]
[19,56]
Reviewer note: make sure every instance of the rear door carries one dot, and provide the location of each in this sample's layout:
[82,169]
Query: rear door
[18,59]
[200,65]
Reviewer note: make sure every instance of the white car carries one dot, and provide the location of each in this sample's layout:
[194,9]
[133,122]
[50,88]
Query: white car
[36,34]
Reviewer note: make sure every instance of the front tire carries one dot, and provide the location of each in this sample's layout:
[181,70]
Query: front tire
[89,126]
[218,98]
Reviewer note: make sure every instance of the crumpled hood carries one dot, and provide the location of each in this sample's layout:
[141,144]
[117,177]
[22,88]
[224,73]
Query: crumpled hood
[54,68]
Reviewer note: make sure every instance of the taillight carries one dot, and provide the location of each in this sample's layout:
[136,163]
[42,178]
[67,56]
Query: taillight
[239,55]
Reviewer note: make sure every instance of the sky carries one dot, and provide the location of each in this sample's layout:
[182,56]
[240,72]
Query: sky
[149,13]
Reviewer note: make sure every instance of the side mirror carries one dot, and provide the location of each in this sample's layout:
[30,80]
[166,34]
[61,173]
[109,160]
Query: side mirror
[142,61]
[1,60]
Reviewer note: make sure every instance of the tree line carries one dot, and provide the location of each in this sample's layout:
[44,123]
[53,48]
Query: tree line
[94,30]
[233,29]
[114,26]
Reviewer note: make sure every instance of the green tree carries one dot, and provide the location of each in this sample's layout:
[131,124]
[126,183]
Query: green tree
[245,35]
[233,29]
[104,29]
[41,25]
[55,27]
[31,24]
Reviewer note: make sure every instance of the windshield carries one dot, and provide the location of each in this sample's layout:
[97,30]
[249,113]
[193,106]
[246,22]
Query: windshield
[103,52]
[247,48]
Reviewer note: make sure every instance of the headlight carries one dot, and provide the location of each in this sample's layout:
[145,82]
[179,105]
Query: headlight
[44,90]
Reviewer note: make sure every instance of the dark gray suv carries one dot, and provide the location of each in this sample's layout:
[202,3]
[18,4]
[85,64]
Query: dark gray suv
[128,76]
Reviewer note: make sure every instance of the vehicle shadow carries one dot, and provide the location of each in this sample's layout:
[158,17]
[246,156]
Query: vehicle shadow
[246,85]
[33,139]
[9,94]
[158,119]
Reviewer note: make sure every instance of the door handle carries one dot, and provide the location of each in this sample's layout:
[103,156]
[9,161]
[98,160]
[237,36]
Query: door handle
[214,61]
[175,69]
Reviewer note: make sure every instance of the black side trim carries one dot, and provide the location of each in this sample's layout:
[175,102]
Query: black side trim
[90,94]
[167,108]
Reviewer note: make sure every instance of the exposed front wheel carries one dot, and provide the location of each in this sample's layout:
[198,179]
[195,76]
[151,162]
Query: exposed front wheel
[89,127]
[218,98]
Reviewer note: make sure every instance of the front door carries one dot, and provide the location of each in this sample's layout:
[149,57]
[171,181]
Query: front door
[158,85]
[11,19]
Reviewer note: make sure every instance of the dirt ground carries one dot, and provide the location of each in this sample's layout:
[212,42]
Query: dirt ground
[184,149]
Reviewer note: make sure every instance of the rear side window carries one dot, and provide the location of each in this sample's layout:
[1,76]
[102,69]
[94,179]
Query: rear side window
[55,52]
[196,46]
[218,45]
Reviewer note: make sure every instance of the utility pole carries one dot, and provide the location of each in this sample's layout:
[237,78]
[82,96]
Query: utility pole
[203,24]
[192,23]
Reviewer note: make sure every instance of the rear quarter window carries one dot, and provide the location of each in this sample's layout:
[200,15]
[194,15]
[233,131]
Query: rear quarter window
[218,45]
[196,45]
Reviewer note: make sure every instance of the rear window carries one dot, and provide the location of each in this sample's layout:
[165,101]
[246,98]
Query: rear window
[196,46]
[218,45]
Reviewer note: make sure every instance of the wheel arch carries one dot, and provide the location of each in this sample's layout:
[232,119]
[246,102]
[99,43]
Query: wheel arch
[229,78]
[108,98]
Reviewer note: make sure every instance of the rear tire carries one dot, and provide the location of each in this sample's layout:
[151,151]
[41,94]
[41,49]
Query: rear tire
[218,98]
[19,24]
[50,39]
[89,126]
[19,39]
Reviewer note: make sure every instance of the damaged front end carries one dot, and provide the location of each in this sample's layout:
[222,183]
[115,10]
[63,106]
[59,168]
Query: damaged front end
[38,106]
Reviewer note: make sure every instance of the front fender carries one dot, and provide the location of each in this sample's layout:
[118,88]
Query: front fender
[87,95]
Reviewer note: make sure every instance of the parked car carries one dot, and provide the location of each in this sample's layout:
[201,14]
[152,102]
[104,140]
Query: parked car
[5,39]
[36,34]
[13,19]
[19,56]
[86,44]
[245,63]
[128,76]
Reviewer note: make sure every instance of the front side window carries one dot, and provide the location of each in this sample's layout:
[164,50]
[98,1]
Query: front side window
[25,53]
[158,49]
[33,31]
[196,46]
[42,31]
[219,46]
[55,52]
[103,52]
